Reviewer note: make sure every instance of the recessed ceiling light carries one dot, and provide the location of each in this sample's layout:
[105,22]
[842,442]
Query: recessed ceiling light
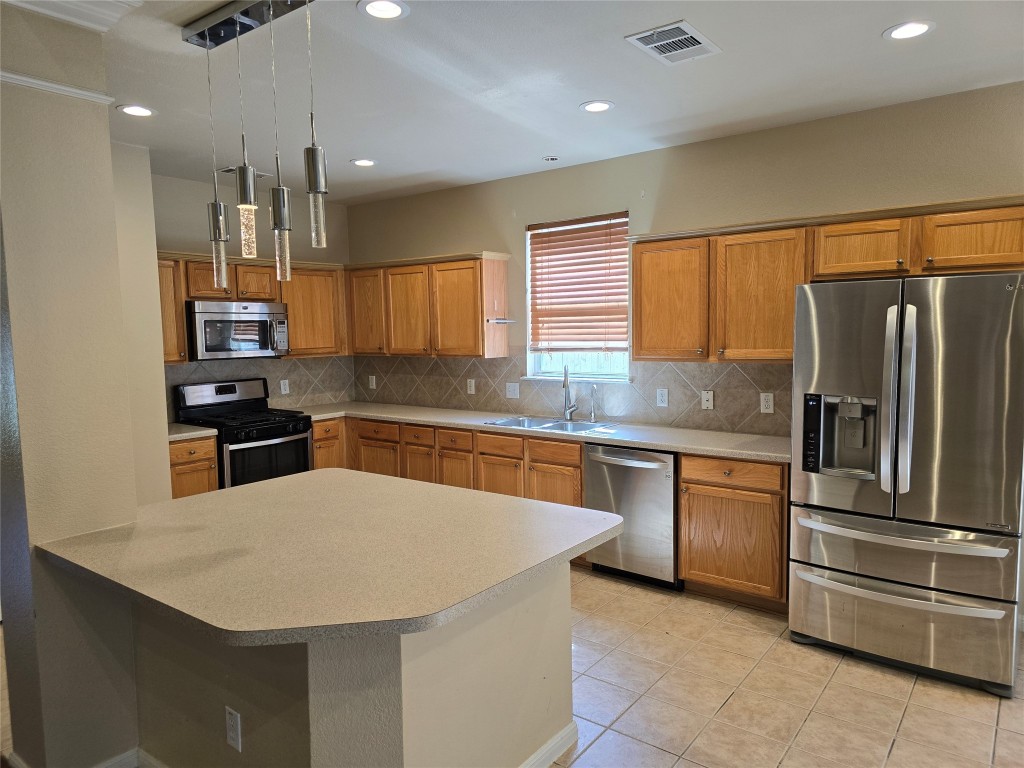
[550,158]
[596,106]
[384,9]
[363,163]
[135,110]
[908,29]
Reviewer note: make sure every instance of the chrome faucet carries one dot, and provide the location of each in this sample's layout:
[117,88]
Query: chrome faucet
[593,403]
[570,408]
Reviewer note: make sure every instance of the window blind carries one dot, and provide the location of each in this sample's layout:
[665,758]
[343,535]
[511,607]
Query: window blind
[579,284]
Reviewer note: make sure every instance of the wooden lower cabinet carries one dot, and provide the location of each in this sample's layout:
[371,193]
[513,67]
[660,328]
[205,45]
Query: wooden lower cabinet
[455,468]
[328,454]
[500,474]
[554,483]
[378,457]
[193,467]
[419,463]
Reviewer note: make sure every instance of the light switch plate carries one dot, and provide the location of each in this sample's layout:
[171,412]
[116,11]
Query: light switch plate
[470,386]
[707,400]
[662,400]
[373,382]
[512,391]
[285,388]
[767,402]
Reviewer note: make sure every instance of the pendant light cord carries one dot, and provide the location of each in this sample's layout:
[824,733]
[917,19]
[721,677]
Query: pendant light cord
[241,105]
[309,51]
[273,81]
[213,136]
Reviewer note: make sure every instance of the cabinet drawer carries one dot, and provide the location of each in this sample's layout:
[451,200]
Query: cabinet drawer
[553,452]
[326,428]
[742,474]
[500,445]
[193,450]
[417,435]
[455,439]
[377,430]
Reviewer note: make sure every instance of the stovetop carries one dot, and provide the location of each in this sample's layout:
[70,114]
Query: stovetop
[254,418]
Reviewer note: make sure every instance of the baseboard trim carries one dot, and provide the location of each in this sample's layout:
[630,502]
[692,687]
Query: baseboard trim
[129,759]
[15,761]
[146,760]
[553,749]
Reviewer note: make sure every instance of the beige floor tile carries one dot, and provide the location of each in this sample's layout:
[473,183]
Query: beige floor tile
[875,677]
[586,733]
[586,598]
[650,594]
[601,629]
[809,659]
[657,645]
[598,701]
[1009,749]
[689,626]
[846,743]
[797,758]
[746,642]
[634,673]
[949,733]
[627,608]
[910,754]
[694,692]
[1011,715]
[664,725]
[955,699]
[613,750]
[576,615]
[577,575]
[609,583]
[772,623]
[759,714]
[785,684]
[872,710]
[710,661]
[701,606]
[724,746]
[586,653]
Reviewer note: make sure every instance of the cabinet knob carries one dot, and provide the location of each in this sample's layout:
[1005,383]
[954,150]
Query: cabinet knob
[899,262]
[430,453]
[244,293]
[192,452]
[451,440]
[380,349]
[394,447]
[318,446]
[376,431]
[930,259]
[227,290]
[327,429]
[684,489]
[728,473]
[213,466]
[531,469]
[416,435]
[517,466]
[721,350]
[700,350]
[424,349]
[181,354]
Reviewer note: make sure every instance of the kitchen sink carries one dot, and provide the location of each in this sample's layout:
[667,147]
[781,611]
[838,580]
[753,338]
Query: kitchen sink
[549,425]
[574,427]
[524,422]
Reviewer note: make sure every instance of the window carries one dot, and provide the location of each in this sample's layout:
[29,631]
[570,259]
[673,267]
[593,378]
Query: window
[579,297]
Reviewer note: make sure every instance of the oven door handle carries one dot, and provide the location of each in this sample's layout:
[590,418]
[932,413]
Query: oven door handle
[239,446]
[928,545]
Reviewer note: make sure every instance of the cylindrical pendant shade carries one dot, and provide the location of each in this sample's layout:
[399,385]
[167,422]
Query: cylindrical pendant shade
[318,220]
[245,180]
[220,263]
[247,219]
[280,208]
[282,254]
[217,213]
[316,170]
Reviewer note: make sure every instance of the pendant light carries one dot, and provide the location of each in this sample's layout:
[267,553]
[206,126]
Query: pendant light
[316,162]
[280,196]
[217,212]
[245,174]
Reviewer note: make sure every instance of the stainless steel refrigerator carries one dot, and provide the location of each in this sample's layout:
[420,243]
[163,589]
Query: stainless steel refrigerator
[908,446]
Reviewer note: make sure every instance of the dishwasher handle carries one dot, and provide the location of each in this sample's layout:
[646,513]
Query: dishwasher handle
[634,463]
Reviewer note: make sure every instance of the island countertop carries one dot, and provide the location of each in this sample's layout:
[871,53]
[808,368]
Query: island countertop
[330,553]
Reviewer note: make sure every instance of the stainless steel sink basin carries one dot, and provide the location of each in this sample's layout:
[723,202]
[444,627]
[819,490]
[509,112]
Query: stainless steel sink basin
[549,424]
[574,427]
[524,422]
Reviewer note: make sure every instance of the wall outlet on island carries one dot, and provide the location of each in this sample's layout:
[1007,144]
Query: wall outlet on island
[233,721]
[767,402]
[512,391]
[470,386]
[707,399]
[285,388]
[373,382]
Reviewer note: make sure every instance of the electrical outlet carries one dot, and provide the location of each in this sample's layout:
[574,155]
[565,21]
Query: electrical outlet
[767,402]
[512,391]
[285,388]
[470,386]
[707,400]
[373,382]
[662,400]
[234,728]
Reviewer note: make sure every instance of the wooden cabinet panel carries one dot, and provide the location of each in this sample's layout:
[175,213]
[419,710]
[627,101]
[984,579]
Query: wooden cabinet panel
[379,457]
[455,468]
[193,478]
[256,282]
[745,474]
[731,539]
[973,240]
[755,284]
[172,310]
[199,279]
[328,428]
[328,454]
[554,452]
[418,435]
[418,463]
[551,482]
[455,439]
[862,248]
[408,307]
[377,430]
[456,308]
[498,474]
[188,451]
[368,307]
[670,300]
[499,445]
[314,312]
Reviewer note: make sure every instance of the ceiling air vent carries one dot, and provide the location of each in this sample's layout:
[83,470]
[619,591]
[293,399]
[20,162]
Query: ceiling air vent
[674,42]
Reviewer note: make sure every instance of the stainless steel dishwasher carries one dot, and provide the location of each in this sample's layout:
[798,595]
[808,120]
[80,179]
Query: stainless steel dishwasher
[639,486]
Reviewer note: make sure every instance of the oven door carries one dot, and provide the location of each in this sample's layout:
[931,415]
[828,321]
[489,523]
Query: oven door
[250,462]
[224,336]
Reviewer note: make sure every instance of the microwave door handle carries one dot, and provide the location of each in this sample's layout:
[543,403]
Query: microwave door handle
[908,388]
[887,409]
[273,335]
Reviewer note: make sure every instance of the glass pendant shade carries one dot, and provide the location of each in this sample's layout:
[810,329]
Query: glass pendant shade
[245,177]
[281,223]
[218,216]
[283,254]
[316,186]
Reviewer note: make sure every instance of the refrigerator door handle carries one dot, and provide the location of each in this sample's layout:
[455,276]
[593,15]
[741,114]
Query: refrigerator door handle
[888,405]
[928,545]
[908,386]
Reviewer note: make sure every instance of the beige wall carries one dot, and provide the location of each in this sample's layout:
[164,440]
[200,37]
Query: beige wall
[958,147]
[181,223]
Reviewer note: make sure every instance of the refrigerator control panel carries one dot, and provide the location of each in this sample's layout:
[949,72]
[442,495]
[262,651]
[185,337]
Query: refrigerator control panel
[811,455]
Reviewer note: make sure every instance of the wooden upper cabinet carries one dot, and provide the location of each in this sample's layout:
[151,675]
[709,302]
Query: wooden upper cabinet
[972,240]
[368,311]
[755,279]
[199,280]
[456,315]
[256,283]
[499,474]
[315,312]
[407,291]
[862,248]
[172,310]
[670,300]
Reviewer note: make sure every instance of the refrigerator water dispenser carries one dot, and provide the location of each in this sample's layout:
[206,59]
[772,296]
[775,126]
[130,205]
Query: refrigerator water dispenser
[839,435]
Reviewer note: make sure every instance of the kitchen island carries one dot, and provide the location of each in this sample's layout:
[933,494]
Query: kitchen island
[350,619]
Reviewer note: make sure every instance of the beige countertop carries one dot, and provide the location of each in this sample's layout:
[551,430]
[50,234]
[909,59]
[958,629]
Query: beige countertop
[330,552]
[177,432]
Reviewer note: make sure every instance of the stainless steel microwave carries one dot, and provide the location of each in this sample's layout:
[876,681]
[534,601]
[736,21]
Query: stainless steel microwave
[223,330]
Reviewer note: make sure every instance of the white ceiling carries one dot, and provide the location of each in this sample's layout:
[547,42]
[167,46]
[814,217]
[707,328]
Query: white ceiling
[463,92]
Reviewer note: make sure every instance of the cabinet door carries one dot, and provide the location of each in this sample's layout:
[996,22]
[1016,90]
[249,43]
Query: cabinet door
[193,478]
[199,280]
[731,539]
[379,458]
[367,311]
[455,468]
[418,463]
[327,453]
[973,240]
[456,315]
[755,286]
[254,282]
[670,300]
[314,312]
[498,474]
[408,303]
[862,248]
[551,482]
[172,310]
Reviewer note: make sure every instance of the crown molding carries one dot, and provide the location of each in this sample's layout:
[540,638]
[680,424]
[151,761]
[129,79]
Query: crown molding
[27,81]
[97,15]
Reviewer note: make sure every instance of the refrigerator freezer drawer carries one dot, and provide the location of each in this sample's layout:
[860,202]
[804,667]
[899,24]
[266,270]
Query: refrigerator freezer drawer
[936,558]
[958,635]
